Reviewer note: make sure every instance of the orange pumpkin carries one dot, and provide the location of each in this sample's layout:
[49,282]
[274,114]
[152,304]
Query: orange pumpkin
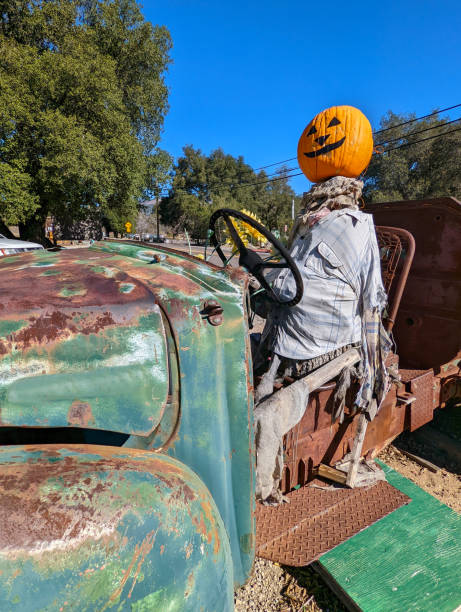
[338,141]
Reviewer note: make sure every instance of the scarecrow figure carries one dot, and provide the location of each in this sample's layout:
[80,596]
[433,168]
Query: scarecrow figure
[334,246]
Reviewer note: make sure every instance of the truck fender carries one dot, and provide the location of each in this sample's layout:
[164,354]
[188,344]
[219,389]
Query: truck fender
[104,528]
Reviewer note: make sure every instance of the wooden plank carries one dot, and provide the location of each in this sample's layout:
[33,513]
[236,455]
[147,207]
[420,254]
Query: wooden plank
[331,369]
[410,560]
[340,593]
[424,462]
[305,385]
[331,473]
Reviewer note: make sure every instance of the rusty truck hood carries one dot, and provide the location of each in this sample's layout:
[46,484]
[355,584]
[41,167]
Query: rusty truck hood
[82,344]
[82,341]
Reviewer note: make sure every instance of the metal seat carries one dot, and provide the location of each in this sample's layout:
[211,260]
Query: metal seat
[397,249]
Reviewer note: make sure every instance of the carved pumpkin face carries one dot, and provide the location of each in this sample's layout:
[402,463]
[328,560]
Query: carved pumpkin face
[338,141]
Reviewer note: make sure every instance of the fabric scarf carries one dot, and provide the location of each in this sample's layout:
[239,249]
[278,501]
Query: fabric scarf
[334,193]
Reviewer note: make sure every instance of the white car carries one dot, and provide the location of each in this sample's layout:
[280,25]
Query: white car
[10,247]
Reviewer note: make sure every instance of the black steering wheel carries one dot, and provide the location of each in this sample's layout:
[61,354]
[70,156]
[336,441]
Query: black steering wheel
[251,260]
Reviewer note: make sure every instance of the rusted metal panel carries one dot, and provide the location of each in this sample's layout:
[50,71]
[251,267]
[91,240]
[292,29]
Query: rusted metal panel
[166,431]
[315,520]
[99,528]
[214,434]
[315,439]
[428,326]
[420,384]
[84,348]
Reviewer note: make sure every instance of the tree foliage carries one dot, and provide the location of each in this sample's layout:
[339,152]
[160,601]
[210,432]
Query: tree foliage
[82,102]
[201,184]
[427,169]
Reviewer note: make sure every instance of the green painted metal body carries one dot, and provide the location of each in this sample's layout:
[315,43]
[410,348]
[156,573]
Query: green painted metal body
[99,528]
[112,339]
[409,560]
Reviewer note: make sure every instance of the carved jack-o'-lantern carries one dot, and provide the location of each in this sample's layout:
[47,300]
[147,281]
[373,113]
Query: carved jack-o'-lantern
[338,141]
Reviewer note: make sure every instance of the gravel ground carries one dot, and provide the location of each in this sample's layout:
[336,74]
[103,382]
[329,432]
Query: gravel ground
[273,588]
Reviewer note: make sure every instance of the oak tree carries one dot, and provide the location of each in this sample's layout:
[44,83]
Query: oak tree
[82,103]
[420,159]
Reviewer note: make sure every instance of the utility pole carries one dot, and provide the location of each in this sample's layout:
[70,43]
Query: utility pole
[293,208]
[158,214]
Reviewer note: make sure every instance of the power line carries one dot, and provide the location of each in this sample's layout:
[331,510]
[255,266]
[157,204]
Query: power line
[434,127]
[443,110]
[408,144]
[272,180]
[239,184]
[289,176]
[284,171]
[275,164]
[280,178]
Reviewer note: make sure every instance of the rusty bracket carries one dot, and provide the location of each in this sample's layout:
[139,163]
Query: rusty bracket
[212,311]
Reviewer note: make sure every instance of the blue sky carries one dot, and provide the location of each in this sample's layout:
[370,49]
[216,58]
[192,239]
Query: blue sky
[248,76]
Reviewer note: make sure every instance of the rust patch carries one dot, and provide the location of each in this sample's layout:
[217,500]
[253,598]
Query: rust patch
[80,414]
[28,516]
[140,551]
[46,328]
[57,290]
[190,585]
[59,325]
[145,548]
[214,531]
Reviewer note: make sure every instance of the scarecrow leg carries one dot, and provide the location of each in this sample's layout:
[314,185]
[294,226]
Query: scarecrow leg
[357,450]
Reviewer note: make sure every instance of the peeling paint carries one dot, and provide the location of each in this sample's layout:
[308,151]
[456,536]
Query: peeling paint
[88,522]
[115,342]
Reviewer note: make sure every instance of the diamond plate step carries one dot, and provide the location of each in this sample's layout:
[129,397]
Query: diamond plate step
[316,520]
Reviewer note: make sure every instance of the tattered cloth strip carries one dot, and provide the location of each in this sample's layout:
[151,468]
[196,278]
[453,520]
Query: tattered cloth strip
[376,346]
[333,194]
[274,418]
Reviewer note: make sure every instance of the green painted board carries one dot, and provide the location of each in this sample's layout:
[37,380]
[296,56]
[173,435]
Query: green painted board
[408,561]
